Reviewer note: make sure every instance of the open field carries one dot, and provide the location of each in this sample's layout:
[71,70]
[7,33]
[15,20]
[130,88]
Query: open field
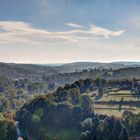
[116,102]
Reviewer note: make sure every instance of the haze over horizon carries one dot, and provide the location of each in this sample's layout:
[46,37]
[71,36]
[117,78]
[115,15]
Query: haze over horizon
[65,31]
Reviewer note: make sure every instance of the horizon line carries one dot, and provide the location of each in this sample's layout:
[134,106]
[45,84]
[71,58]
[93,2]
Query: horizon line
[61,63]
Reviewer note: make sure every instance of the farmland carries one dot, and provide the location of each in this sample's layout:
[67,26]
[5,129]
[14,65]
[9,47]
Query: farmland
[116,102]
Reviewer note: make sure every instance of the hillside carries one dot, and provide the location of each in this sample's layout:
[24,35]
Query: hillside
[79,66]
[90,65]
[70,113]
[25,70]
[37,71]
[123,73]
[53,76]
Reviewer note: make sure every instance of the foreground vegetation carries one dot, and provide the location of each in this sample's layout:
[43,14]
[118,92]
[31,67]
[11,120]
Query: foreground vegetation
[69,114]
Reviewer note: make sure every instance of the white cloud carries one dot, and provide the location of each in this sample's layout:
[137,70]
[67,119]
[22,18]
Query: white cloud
[74,25]
[105,32]
[25,33]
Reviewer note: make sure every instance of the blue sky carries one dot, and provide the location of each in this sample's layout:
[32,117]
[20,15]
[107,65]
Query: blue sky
[59,31]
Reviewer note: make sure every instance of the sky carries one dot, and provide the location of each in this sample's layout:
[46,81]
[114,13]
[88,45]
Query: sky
[64,31]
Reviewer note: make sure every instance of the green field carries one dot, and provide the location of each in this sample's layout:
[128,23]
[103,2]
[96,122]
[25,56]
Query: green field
[120,96]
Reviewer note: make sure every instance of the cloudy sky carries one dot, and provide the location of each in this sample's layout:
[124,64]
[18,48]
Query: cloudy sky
[60,31]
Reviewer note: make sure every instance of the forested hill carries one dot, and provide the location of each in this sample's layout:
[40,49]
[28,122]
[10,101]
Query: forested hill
[25,70]
[78,66]
[33,71]
[124,73]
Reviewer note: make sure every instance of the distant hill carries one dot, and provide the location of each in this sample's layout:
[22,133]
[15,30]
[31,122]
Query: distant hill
[128,63]
[79,66]
[71,67]
[32,71]
[36,72]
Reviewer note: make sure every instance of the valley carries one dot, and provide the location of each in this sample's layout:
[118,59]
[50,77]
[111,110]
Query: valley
[72,105]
